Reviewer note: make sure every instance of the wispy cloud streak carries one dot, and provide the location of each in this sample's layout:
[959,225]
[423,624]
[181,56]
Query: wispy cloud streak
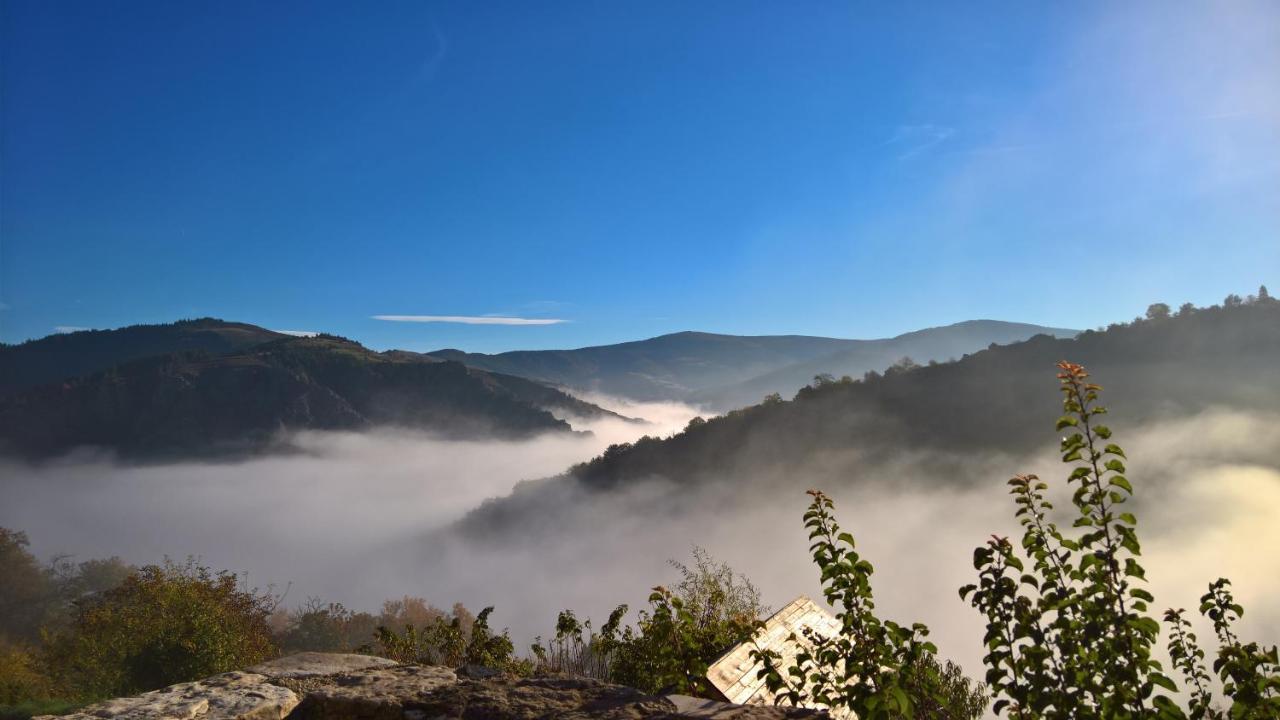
[470,319]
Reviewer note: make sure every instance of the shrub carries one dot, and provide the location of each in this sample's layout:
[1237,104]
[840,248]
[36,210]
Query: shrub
[22,678]
[568,653]
[1069,632]
[165,624]
[709,611]
[872,667]
[326,627]
[27,595]
[450,640]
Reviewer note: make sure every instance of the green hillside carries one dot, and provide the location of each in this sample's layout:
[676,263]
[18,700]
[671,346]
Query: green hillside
[991,401]
[725,371]
[200,403]
[57,357]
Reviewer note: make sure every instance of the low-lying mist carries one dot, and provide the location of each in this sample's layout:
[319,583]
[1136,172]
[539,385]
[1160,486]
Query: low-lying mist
[341,516]
[360,518]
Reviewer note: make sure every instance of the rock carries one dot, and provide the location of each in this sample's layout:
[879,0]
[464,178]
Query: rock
[230,696]
[317,664]
[374,694]
[696,708]
[476,672]
[536,698]
[357,687]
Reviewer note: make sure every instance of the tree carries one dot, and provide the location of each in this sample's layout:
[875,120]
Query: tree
[1157,311]
[1263,295]
[903,364]
[76,580]
[27,595]
[1232,300]
[326,627]
[1186,309]
[165,624]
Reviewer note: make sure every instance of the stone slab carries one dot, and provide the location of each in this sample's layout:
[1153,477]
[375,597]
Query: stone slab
[305,665]
[695,708]
[374,694]
[230,696]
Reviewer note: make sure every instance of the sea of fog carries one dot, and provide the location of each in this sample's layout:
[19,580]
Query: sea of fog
[360,518]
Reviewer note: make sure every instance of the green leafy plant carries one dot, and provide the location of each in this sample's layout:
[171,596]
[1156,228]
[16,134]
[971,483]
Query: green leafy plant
[872,667]
[448,640]
[164,624]
[1250,673]
[684,629]
[331,627]
[1069,634]
[570,653]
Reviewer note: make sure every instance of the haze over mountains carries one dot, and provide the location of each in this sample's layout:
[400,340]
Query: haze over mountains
[1000,400]
[210,387]
[916,458]
[729,371]
[217,388]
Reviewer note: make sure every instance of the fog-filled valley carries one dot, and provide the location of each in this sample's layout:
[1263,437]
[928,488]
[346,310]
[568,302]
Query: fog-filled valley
[639,361]
[359,519]
[529,526]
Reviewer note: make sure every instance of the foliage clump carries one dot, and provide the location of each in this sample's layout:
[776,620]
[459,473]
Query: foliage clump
[318,626]
[1069,630]
[452,640]
[686,627]
[872,667]
[163,625]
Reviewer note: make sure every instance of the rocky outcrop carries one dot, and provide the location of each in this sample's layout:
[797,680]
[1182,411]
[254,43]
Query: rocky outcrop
[230,696]
[324,686]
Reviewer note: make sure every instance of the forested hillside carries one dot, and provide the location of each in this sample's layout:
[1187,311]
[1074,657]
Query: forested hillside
[56,357]
[200,403]
[729,371]
[991,401]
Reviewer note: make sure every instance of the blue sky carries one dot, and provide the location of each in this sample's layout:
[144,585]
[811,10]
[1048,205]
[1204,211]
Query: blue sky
[849,169]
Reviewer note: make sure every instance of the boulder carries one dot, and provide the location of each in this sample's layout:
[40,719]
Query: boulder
[528,699]
[229,696]
[374,694]
[304,665]
[359,687]
[696,708]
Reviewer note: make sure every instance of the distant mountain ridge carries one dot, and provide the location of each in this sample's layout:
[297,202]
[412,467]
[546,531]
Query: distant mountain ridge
[725,371]
[1001,400]
[209,386]
[199,403]
[57,357]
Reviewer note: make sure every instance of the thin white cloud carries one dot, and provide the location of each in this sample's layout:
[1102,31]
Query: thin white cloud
[470,319]
[64,329]
[298,333]
[916,139]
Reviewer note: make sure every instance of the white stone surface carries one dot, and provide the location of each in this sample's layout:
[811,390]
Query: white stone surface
[230,696]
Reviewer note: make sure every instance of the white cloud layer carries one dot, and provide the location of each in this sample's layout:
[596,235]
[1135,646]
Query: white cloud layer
[298,333]
[357,518]
[470,319]
[64,329]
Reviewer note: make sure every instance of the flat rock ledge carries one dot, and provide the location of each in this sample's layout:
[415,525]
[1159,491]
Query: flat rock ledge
[329,686]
